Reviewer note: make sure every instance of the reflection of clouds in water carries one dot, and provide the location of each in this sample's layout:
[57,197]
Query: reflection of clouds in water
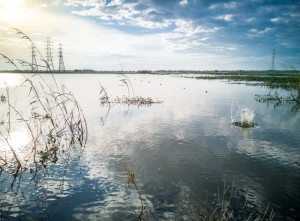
[274,138]
[257,149]
[180,134]
[186,136]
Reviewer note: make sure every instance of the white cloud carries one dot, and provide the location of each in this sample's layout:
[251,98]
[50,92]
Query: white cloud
[85,3]
[250,19]
[294,14]
[122,13]
[227,17]
[265,30]
[213,6]
[256,33]
[230,5]
[183,2]
[189,28]
[275,19]
[180,43]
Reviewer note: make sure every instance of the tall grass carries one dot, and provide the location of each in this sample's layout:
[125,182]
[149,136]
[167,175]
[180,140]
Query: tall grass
[53,120]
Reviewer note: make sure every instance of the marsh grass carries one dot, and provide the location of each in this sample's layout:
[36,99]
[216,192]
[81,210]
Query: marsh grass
[277,100]
[53,121]
[288,80]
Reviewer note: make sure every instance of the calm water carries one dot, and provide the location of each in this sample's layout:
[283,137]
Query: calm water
[183,151]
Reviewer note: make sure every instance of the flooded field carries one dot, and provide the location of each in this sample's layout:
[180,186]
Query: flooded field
[204,148]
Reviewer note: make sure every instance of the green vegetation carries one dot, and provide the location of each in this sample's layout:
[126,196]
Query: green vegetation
[272,79]
[131,180]
[286,80]
[244,124]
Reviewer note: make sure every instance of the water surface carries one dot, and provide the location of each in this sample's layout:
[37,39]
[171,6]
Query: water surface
[182,151]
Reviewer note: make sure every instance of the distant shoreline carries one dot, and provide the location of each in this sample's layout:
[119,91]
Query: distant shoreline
[216,72]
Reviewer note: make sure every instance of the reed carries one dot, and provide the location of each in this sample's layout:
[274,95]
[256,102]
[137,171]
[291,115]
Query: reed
[125,99]
[131,180]
[53,120]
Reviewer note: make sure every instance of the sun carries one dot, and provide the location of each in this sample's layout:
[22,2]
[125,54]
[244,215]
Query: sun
[11,4]
[11,11]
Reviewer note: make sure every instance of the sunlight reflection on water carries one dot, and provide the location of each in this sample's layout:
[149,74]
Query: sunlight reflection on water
[10,80]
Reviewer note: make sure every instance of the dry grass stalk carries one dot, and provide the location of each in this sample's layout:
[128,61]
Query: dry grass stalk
[53,120]
[138,101]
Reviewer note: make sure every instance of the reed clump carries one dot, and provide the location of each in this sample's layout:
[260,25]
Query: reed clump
[139,101]
[128,99]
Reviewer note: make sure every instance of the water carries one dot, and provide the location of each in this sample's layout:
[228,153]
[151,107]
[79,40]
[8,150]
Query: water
[182,151]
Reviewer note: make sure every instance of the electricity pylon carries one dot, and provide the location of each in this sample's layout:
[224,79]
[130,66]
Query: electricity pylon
[61,60]
[49,59]
[273,60]
[34,66]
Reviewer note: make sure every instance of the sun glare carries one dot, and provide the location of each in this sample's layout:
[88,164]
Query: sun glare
[11,4]
[11,11]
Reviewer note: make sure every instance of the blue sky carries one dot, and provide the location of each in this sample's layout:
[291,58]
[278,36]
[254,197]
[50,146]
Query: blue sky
[156,34]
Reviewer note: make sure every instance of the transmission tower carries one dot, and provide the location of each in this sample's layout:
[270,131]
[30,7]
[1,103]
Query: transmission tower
[273,60]
[61,59]
[34,66]
[49,60]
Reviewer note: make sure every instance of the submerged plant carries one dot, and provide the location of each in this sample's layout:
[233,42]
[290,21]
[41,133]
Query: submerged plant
[292,99]
[132,181]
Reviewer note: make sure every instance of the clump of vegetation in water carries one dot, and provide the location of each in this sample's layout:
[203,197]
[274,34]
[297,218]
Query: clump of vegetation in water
[246,117]
[139,101]
[129,99]
[277,100]
[244,124]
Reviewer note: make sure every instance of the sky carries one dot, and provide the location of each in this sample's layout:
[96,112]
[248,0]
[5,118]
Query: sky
[124,35]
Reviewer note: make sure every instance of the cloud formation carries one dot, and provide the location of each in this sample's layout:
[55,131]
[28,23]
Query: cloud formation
[226,30]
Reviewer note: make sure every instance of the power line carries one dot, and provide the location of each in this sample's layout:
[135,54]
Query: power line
[49,59]
[273,60]
[34,66]
[61,60]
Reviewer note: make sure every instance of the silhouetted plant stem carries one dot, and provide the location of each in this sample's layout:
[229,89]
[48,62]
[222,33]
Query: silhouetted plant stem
[131,179]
